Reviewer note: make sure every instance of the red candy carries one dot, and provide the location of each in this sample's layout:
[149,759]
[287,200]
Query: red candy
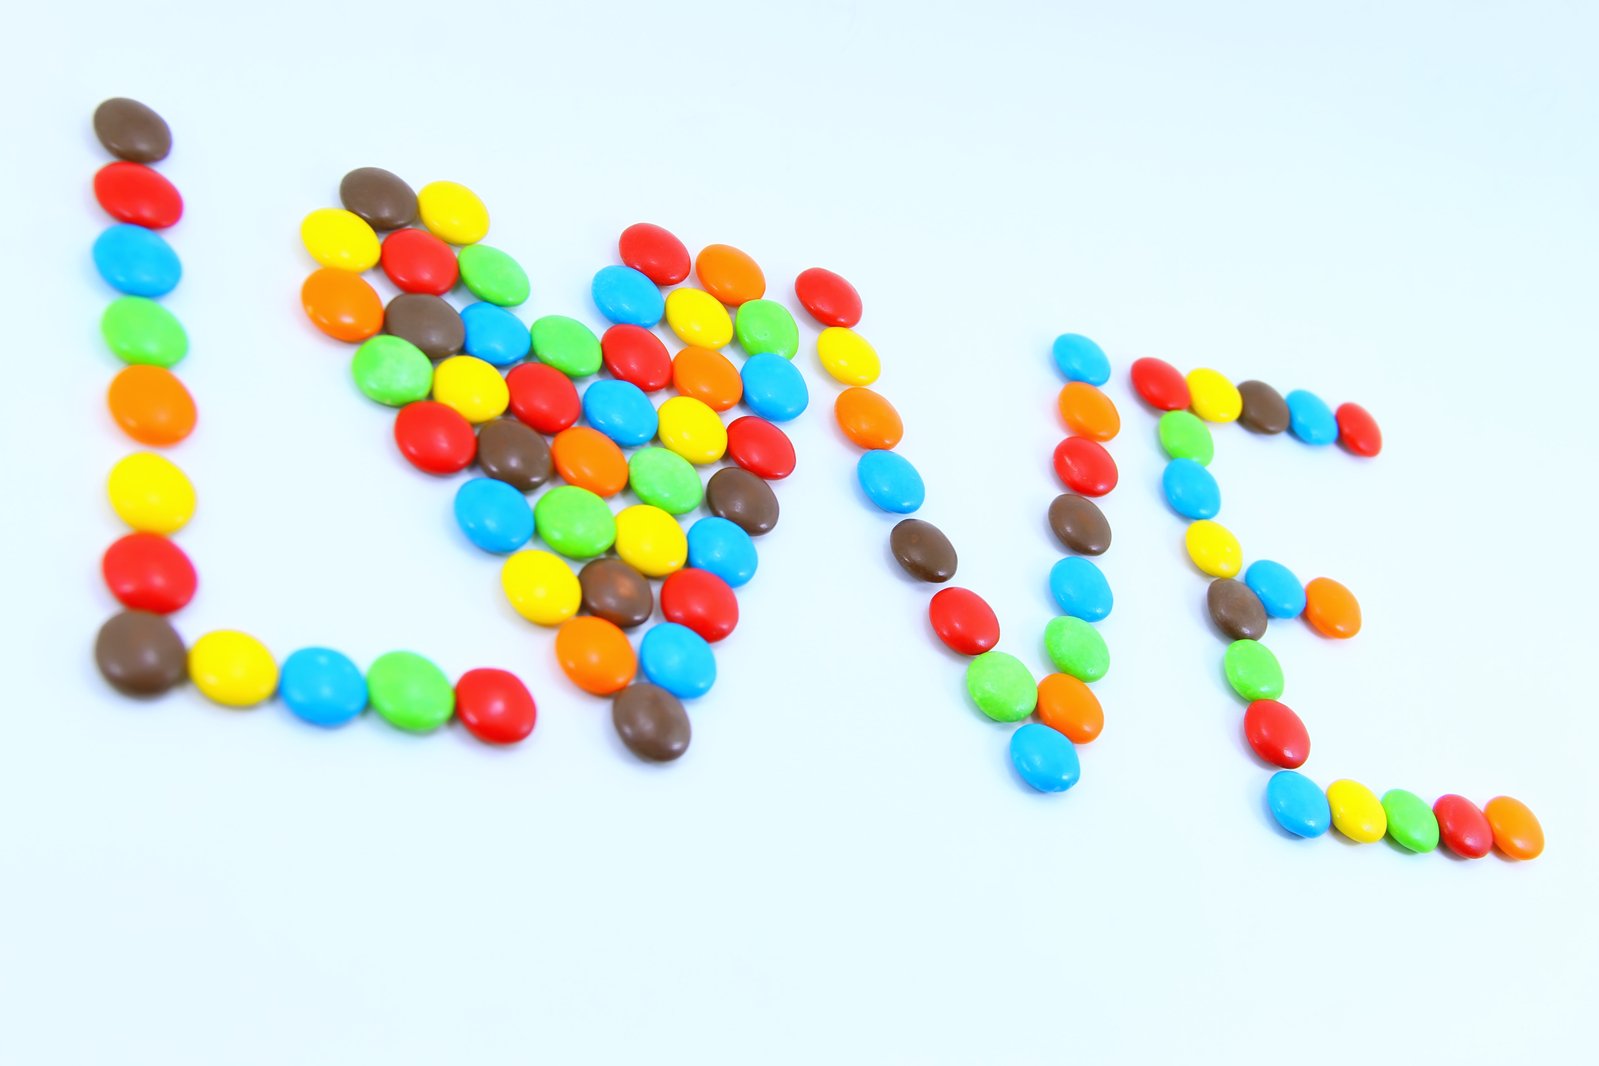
[417,261]
[830,299]
[1462,827]
[701,601]
[543,397]
[1358,431]
[495,706]
[1161,385]
[147,572]
[654,252]
[760,447]
[634,354]
[963,620]
[435,438]
[132,192]
[1085,466]
[1277,734]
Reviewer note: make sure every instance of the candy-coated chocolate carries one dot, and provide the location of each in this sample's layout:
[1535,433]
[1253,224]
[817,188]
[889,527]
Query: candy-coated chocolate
[233,669]
[743,499]
[1263,408]
[148,572]
[1076,648]
[774,388]
[1310,419]
[828,298]
[410,692]
[1190,489]
[626,296]
[1253,671]
[322,686]
[341,304]
[1462,827]
[1184,436]
[1298,804]
[867,419]
[1084,466]
[720,546]
[1079,524]
[1080,589]
[650,540]
[1358,432]
[1517,832]
[494,335]
[417,261]
[567,345]
[541,587]
[1331,609]
[650,721]
[575,522]
[471,386]
[132,192]
[542,397]
[707,376]
[1044,758]
[340,239]
[923,551]
[963,620]
[434,438]
[1213,548]
[429,322]
[492,275]
[1213,397]
[665,480]
[589,459]
[151,405]
[729,274]
[139,330]
[677,659]
[615,591]
[1278,590]
[1080,359]
[698,318]
[594,655]
[1410,821]
[494,516]
[1001,686]
[890,481]
[495,706]
[621,411]
[131,130]
[692,430]
[136,261]
[1070,707]
[1088,412]
[847,356]
[140,654]
[766,326]
[654,252]
[701,601]
[1357,813]
[1276,734]
[150,493]
[634,354]
[760,447]
[391,370]
[1160,384]
[452,212]
[379,196]
[1235,610]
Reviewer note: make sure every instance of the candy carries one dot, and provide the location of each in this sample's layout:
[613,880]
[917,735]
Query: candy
[379,196]
[434,438]
[729,274]
[847,356]
[1080,359]
[1084,466]
[1331,609]
[1088,412]
[340,239]
[140,654]
[233,669]
[867,419]
[417,261]
[760,447]
[1235,610]
[1184,436]
[567,345]
[1213,548]
[341,304]
[139,330]
[1310,419]
[692,430]
[542,397]
[677,659]
[1076,648]
[621,411]
[541,587]
[717,545]
[147,572]
[1070,707]
[626,296]
[132,192]
[130,130]
[664,479]
[1263,409]
[766,326]
[429,322]
[1080,589]
[1298,804]
[774,388]
[651,721]
[1252,670]
[391,370]
[698,318]
[922,551]
[1516,830]
[1001,686]
[1213,397]
[492,275]
[1160,384]
[590,460]
[575,522]
[1410,821]
[1044,758]
[471,386]
[633,353]
[701,601]
[150,493]
[151,405]
[136,261]
[495,706]
[494,516]
[1358,432]
[743,499]
[410,692]
[707,376]
[615,591]
[963,620]
[1079,524]
[1276,734]
[828,298]
[1278,590]
[654,252]
[452,212]
[1190,489]
[594,655]
[650,540]
[494,335]
[1463,828]
[890,481]
[1356,812]
[322,686]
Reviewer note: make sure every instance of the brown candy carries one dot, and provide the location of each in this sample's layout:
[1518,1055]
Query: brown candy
[1265,410]
[1079,524]
[129,130]
[378,196]
[516,454]
[427,321]
[743,499]
[616,592]
[140,654]
[651,722]
[923,551]
[1236,610]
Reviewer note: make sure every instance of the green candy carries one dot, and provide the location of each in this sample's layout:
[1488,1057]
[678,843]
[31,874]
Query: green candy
[567,345]
[766,326]
[142,331]
[1001,686]
[410,692]
[1184,436]
[575,522]
[1076,648]
[1252,670]
[664,479]
[492,276]
[1410,821]
[391,370]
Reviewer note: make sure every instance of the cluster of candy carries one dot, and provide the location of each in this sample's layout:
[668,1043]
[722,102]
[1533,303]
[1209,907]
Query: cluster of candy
[1269,590]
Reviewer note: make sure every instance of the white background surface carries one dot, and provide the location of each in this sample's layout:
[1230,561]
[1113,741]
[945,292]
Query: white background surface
[1389,203]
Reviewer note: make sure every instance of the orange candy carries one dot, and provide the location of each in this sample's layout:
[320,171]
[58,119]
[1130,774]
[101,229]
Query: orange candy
[729,274]
[1070,707]
[589,459]
[151,405]
[1516,829]
[341,304]
[868,420]
[708,376]
[1331,609]
[595,654]
[1088,412]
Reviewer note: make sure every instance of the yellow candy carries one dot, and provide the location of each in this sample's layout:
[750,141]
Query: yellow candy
[1213,397]
[233,669]
[698,318]
[691,429]
[340,239]
[650,540]
[847,356]
[452,212]
[541,587]
[151,494]
[472,387]
[1214,549]
[1357,813]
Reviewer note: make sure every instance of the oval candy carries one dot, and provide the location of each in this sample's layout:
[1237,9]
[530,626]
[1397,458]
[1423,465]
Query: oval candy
[1183,436]
[1160,384]
[654,252]
[1310,419]
[692,430]
[340,239]
[1278,590]
[1080,589]
[541,587]
[634,354]
[132,192]
[615,591]
[743,499]
[379,196]
[588,459]
[1462,827]
[664,479]
[719,546]
[492,275]
[760,447]
[963,620]
[627,297]
[140,331]
[427,321]
[707,376]
[1358,431]
[567,345]
[1411,822]
[1263,409]
[1213,397]
[575,522]
[1087,412]
[701,601]
[1235,610]
[136,261]
[1079,524]
[828,298]
[151,405]
[1276,734]
[698,318]
[1252,670]
[867,419]
[1080,359]
[650,540]
[494,335]
[1044,758]
[1076,648]
[1331,609]
[766,326]
[233,669]
[678,660]
[132,131]
[495,706]
[391,370]
[452,212]
[621,411]
[140,654]
[847,356]
[150,493]
[148,572]
[1084,466]
[434,438]
[341,304]
[594,655]
[1001,686]
[729,274]
[1516,830]
[890,482]
[322,686]
[494,516]
[1190,489]
[409,692]
[774,388]
[1356,811]
[1298,804]
[543,398]
[923,551]
[1070,707]
[471,386]
[1213,548]
[650,721]
[416,261]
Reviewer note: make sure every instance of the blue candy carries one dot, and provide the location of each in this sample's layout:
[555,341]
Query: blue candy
[1080,359]
[493,515]
[621,411]
[1045,759]
[627,297]
[677,659]
[1081,589]
[1310,419]
[136,261]
[774,388]
[890,481]
[1278,590]
[322,686]
[1298,804]
[1191,489]
[495,335]
[721,547]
